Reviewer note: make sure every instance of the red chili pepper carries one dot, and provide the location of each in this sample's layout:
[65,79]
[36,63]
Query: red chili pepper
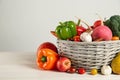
[80,29]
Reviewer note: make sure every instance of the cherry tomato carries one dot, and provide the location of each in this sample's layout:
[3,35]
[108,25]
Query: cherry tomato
[81,71]
[94,71]
[71,70]
[76,38]
[115,38]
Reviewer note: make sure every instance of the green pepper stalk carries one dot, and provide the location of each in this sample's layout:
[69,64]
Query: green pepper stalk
[66,30]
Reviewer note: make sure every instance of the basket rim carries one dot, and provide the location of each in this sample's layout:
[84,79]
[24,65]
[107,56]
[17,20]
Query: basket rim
[93,42]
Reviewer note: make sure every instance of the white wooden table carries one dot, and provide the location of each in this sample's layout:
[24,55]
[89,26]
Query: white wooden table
[22,66]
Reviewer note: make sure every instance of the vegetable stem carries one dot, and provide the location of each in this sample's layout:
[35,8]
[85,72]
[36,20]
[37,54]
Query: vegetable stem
[100,18]
[84,22]
[78,23]
[61,23]
[44,59]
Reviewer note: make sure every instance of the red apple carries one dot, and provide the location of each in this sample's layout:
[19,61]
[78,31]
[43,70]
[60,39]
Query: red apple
[48,45]
[63,64]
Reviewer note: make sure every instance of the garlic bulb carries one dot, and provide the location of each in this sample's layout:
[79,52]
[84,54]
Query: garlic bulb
[106,70]
[86,37]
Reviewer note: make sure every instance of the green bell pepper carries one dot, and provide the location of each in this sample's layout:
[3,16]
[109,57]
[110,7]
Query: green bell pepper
[66,30]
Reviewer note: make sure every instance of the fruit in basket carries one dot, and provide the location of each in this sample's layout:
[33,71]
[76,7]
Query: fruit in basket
[106,70]
[116,64]
[63,64]
[46,59]
[66,30]
[47,45]
[114,24]
[102,32]
[81,71]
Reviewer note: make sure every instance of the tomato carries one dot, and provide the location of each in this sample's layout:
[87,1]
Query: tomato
[94,71]
[81,71]
[71,70]
[76,38]
[115,38]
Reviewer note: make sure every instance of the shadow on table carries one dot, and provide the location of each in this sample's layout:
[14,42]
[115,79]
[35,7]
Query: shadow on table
[27,59]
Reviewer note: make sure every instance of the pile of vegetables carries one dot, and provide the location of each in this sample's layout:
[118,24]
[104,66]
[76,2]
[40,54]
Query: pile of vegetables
[69,30]
[47,53]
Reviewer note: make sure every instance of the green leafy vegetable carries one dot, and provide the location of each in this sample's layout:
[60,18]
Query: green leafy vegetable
[114,24]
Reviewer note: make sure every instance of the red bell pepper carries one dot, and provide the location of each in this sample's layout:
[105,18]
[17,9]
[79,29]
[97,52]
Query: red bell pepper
[80,29]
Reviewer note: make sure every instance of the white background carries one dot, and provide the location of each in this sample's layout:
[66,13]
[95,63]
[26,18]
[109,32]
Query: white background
[25,24]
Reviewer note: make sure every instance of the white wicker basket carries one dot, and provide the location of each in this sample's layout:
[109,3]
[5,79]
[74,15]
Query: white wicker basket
[89,54]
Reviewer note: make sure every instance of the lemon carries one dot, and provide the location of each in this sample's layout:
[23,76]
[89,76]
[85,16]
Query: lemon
[116,64]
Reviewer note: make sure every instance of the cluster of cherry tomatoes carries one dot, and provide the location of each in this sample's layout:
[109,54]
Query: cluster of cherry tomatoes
[81,70]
